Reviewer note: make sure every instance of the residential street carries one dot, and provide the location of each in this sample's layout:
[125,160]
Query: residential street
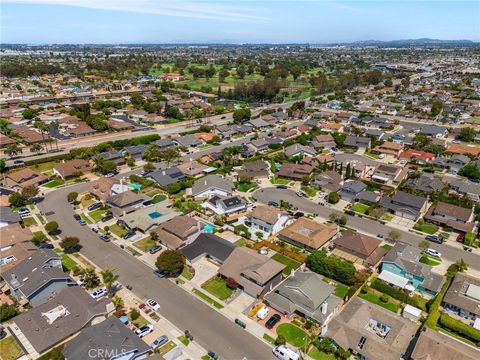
[364,225]
[210,329]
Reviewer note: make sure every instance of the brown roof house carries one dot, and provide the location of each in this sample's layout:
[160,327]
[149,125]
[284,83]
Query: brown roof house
[178,231]
[357,247]
[15,246]
[323,141]
[254,169]
[72,168]
[456,217]
[463,297]
[256,274]
[294,171]
[126,202]
[267,219]
[328,181]
[388,148]
[308,234]
[24,178]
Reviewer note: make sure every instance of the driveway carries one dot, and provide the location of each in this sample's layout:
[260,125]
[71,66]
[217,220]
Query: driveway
[211,329]
[204,270]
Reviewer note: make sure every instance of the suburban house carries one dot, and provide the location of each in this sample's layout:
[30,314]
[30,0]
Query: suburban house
[376,134]
[434,131]
[425,183]
[259,123]
[453,163]
[331,127]
[212,185]
[267,219]
[308,234]
[15,246]
[463,298]
[225,205]
[417,156]
[104,187]
[188,141]
[112,337]
[305,293]
[8,217]
[21,179]
[470,150]
[358,142]
[167,177]
[126,202]
[388,148]
[208,245]
[114,156]
[299,150]
[455,217]
[178,231]
[385,173]
[402,268]
[405,205]
[466,188]
[294,171]
[58,319]
[358,248]
[164,144]
[37,277]
[436,345]
[254,169]
[367,197]
[135,151]
[371,332]
[328,181]
[71,168]
[195,169]
[351,188]
[254,273]
[259,145]
[323,141]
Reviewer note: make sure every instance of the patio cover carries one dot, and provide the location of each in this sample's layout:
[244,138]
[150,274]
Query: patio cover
[394,279]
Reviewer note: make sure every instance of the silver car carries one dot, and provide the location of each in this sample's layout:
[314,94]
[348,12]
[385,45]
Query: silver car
[162,340]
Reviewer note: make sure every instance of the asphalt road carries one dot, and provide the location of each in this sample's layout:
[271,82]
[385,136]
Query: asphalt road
[210,329]
[364,225]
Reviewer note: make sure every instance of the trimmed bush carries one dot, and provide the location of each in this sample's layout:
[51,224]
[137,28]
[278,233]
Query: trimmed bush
[332,267]
[460,328]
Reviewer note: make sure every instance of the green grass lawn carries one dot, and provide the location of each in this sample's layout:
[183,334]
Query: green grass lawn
[9,349]
[186,273]
[29,221]
[97,215]
[118,230]
[360,208]
[316,354]
[430,260]
[293,335]
[67,262]
[241,242]
[426,228]
[42,220]
[310,191]
[133,251]
[244,187]
[138,322]
[86,218]
[185,341]
[270,339]
[54,183]
[341,290]
[167,347]
[387,247]
[158,198]
[376,300]
[372,156]
[145,244]
[218,288]
[207,298]
[278,181]
[43,167]
[290,263]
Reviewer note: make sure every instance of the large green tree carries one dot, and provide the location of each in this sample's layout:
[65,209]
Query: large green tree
[170,261]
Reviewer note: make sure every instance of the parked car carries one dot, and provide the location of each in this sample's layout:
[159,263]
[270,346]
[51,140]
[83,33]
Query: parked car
[299,194]
[81,282]
[23,212]
[162,340]
[94,206]
[275,318]
[128,235]
[144,330]
[298,214]
[461,238]
[107,217]
[77,217]
[381,156]
[282,187]
[434,238]
[97,294]
[82,222]
[110,174]
[160,273]
[262,313]
[273,203]
[213,355]
[154,249]
[153,304]
[45,246]
[283,352]
[433,252]
[105,238]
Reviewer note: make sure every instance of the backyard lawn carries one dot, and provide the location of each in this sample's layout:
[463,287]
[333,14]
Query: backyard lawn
[316,354]
[29,221]
[218,288]
[145,244]
[118,230]
[158,198]
[67,262]
[293,335]
[341,290]
[290,263]
[9,349]
[360,208]
[278,181]
[387,247]
[426,228]
[376,300]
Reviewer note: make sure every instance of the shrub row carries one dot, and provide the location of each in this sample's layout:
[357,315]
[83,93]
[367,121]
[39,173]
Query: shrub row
[399,294]
[332,267]
[297,257]
[460,328]
[434,315]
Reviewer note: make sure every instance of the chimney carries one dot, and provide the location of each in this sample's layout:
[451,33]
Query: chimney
[163,172]
[324,308]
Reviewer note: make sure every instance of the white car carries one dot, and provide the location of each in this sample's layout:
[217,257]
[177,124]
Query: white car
[97,294]
[433,252]
[81,282]
[153,305]
[381,156]
[262,313]
[299,194]
[283,352]
[145,330]
[456,142]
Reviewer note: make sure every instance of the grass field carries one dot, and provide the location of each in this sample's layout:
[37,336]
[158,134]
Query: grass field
[158,198]
[48,166]
[207,298]
[387,247]
[293,335]
[185,341]
[218,288]
[145,244]
[290,263]
[310,191]
[376,300]
[133,251]
[360,208]
[341,290]
[86,218]
[278,181]
[97,215]
[241,242]
[316,354]
[186,273]
[139,322]
[54,183]
[29,221]
[118,230]
[270,339]
[430,260]
[426,228]
[245,187]
[167,347]
[9,349]
[67,262]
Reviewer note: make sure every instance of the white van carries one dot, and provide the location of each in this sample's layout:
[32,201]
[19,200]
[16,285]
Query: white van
[285,353]
[262,313]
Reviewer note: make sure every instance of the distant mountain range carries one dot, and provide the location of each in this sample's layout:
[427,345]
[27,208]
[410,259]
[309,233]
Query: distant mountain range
[414,42]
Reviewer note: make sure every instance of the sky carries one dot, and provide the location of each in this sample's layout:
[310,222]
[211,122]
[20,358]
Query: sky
[233,21]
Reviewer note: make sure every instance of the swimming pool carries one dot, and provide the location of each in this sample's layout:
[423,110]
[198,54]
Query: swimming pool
[154,215]
[208,228]
[135,186]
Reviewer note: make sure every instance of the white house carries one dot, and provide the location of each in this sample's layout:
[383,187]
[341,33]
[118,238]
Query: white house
[267,219]
[212,185]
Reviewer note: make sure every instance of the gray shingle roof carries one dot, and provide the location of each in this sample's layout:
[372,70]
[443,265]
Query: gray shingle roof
[208,244]
[212,181]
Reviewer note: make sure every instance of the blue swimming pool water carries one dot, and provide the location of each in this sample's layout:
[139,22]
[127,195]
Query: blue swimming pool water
[135,186]
[208,228]
[154,215]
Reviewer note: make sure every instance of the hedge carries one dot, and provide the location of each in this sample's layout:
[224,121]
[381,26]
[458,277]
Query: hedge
[434,315]
[460,328]
[46,159]
[332,267]
[297,257]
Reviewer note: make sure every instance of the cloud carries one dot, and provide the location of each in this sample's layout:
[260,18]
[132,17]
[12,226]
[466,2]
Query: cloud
[177,8]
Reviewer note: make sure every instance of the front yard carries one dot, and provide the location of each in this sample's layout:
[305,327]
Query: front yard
[67,262]
[430,260]
[218,288]
[289,263]
[278,181]
[29,221]
[360,208]
[98,214]
[426,228]
[118,230]
[293,335]
[145,244]
[9,349]
[245,187]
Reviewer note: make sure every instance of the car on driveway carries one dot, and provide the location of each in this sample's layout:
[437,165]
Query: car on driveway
[262,313]
[97,294]
[162,340]
[23,212]
[153,304]
[94,206]
[128,235]
[434,238]
[274,319]
[154,249]
[107,217]
[45,246]
[144,330]
[433,252]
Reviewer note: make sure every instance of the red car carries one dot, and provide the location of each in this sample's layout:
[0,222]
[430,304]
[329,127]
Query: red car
[461,238]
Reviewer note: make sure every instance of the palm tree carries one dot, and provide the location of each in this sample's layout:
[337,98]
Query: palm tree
[12,150]
[4,127]
[462,265]
[36,148]
[108,278]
